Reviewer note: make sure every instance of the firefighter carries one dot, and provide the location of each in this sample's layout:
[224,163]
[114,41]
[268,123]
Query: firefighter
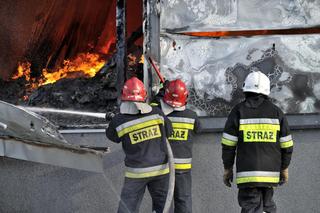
[142,129]
[185,124]
[258,134]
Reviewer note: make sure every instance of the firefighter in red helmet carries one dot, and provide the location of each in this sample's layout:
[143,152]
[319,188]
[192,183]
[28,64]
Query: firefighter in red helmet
[185,124]
[142,130]
[258,136]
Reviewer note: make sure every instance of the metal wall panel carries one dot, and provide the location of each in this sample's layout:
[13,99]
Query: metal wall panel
[214,69]
[204,15]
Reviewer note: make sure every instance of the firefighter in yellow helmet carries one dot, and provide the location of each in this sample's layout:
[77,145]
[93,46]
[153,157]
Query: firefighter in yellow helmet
[258,135]
[142,130]
[185,124]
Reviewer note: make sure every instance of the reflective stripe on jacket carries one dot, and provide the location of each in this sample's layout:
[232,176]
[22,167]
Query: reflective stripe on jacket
[143,138]
[259,139]
[185,123]
[147,172]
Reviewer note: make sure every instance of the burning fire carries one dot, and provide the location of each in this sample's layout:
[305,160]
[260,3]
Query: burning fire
[133,60]
[141,60]
[84,65]
[313,30]
[23,70]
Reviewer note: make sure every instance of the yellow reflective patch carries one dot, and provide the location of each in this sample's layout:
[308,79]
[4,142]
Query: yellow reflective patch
[139,126]
[183,126]
[145,134]
[147,174]
[228,142]
[154,104]
[258,180]
[259,132]
[183,166]
[260,136]
[288,144]
[260,127]
[179,135]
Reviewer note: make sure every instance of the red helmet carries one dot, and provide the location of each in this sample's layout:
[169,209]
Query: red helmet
[133,90]
[176,93]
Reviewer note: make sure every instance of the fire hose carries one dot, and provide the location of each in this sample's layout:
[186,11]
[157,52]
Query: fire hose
[169,198]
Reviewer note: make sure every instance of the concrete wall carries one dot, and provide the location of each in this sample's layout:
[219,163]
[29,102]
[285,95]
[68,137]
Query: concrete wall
[37,188]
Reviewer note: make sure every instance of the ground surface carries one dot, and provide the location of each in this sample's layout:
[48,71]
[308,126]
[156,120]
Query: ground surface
[36,188]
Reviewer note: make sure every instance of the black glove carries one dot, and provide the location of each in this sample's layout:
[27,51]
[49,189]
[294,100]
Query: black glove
[228,177]
[284,176]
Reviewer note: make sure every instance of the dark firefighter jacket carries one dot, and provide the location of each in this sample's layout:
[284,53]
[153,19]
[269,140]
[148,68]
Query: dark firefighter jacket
[258,134]
[185,124]
[143,141]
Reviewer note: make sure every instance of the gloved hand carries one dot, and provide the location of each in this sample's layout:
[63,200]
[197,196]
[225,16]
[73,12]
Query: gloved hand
[228,177]
[284,176]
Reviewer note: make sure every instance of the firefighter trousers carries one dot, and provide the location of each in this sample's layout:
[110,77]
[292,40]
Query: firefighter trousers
[133,190]
[256,200]
[182,192]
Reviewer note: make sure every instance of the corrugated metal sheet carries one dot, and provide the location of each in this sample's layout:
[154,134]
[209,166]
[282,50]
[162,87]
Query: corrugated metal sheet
[214,69]
[204,15]
[27,136]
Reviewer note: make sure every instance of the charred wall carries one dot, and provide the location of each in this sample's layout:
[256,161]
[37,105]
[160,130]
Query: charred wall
[45,33]
[213,45]
[55,36]
[16,21]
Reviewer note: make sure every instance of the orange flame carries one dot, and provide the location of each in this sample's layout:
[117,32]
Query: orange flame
[141,60]
[84,65]
[23,70]
[132,59]
[294,31]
